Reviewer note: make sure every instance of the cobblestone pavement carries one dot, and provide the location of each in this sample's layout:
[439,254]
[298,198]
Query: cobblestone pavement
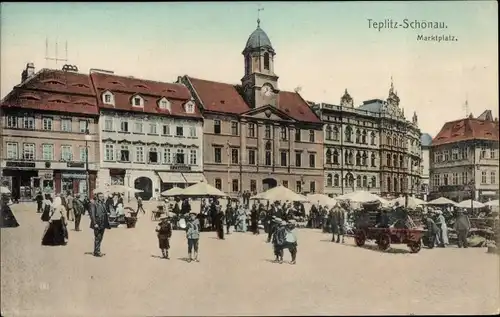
[234,277]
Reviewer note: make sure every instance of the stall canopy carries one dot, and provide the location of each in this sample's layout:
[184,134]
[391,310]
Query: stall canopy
[202,189]
[412,202]
[362,196]
[4,190]
[172,177]
[493,203]
[280,193]
[175,191]
[321,199]
[442,201]
[194,177]
[468,203]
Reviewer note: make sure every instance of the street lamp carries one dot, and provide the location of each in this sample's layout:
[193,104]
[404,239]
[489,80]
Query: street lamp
[87,174]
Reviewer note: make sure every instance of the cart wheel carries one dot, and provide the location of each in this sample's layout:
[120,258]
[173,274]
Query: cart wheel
[415,246]
[384,242]
[360,238]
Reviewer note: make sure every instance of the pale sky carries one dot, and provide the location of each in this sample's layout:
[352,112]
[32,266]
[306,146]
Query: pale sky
[323,47]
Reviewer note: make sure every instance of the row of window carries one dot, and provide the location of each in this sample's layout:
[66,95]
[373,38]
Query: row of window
[462,153]
[235,185]
[462,178]
[138,101]
[332,157]
[361,137]
[284,159]
[333,180]
[149,154]
[48,152]
[268,131]
[47,123]
[152,128]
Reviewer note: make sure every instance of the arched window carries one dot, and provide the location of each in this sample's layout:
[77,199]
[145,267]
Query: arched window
[247,64]
[373,160]
[335,134]
[358,136]
[329,180]
[336,180]
[396,185]
[374,182]
[389,140]
[350,158]
[328,157]
[266,60]
[346,157]
[218,183]
[401,161]
[372,138]
[388,160]
[328,132]
[349,180]
[365,182]
[364,159]
[363,137]
[389,188]
[268,154]
[348,134]
[335,157]
[395,160]
[358,181]
[358,159]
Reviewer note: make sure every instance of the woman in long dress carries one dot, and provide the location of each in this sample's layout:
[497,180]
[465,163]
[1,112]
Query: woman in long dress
[56,232]
[7,220]
[46,208]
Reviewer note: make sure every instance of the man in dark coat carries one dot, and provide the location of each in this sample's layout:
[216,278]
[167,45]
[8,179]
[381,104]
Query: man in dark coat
[213,214]
[229,217]
[99,222]
[432,231]
[337,221]
[78,210]
[462,227]
[254,219]
[219,223]
[39,202]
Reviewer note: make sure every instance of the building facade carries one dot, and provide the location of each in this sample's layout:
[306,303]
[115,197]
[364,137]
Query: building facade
[150,134]
[426,142]
[44,134]
[464,159]
[371,147]
[257,136]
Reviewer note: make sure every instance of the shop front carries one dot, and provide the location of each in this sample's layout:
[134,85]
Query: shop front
[22,178]
[74,182]
[117,176]
[179,176]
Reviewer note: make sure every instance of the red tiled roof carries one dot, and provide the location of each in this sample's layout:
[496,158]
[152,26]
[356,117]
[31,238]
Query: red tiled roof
[467,129]
[292,104]
[124,88]
[54,90]
[219,97]
[222,97]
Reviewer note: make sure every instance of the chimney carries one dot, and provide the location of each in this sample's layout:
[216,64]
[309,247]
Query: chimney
[28,72]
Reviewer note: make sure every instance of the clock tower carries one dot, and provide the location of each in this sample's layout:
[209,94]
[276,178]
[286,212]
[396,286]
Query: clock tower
[260,83]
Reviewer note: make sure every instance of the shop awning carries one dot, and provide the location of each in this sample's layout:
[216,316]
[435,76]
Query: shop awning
[194,177]
[171,177]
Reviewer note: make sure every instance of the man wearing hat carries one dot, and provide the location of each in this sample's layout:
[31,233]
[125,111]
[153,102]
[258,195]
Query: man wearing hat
[337,223]
[99,222]
[193,237]
[443,229]
[78,210]
[462,227]
[164,230]
[279,239]
[291,240]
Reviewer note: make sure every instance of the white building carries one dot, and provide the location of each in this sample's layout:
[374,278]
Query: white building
[151,134]
[426,141]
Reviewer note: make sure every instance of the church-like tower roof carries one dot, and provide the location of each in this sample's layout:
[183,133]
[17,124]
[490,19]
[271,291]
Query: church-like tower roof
[258,39]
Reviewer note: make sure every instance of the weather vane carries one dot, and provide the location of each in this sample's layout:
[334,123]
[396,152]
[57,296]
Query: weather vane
[258,15]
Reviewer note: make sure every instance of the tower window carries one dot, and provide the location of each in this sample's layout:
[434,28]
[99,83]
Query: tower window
[266,61]
[247,64]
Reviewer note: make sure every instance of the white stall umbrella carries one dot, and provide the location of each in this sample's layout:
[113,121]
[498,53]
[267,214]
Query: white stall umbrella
[134,190]
[413,202]
[202,189]
[492,203]
[442,201]
[362,196]
[468,203]
[280,193]
[321,199]
[174,191]
[4,190]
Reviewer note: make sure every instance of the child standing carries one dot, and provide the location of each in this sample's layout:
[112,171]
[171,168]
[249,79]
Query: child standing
[164,230]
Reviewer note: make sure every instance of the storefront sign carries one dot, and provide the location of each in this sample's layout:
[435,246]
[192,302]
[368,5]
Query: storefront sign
[20,164]
[74,176]
[75,164]
[180,167]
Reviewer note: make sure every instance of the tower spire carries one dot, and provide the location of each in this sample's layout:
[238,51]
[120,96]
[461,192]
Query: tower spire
[258,16]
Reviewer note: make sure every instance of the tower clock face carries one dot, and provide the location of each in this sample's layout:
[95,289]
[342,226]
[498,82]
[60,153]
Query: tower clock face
[266,91]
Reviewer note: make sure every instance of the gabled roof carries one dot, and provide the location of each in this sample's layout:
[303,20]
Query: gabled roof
[124,88]
[54,91]
[467,129]
[225,98]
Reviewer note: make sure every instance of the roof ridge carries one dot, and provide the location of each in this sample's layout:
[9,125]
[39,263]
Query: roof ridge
[139,79]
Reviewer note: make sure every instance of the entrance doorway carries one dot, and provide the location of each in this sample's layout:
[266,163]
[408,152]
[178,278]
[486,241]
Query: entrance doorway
[269,183]
[146,185]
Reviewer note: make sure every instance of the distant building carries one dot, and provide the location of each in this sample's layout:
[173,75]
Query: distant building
[370,147]
[151,134]
[426,142]
[464,159]
[43,131]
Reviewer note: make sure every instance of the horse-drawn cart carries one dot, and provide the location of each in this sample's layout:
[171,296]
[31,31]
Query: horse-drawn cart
[385,236]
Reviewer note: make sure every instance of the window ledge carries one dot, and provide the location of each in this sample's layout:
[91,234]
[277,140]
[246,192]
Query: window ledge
[124,132]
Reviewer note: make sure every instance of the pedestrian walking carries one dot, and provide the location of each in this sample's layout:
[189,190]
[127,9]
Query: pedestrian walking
[219,223]
[69,207]
[338,222]
[193,237]
[254,219]
[39,202]
[99,222]
[78,210]
[229,217]
[279,239]
[139,205]
[443,229]
[462,227]
[291,240]
[164,233]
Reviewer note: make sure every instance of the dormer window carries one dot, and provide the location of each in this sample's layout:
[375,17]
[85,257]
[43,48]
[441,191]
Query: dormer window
[164,104]
[137,101]
[108,98]
[189,107]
